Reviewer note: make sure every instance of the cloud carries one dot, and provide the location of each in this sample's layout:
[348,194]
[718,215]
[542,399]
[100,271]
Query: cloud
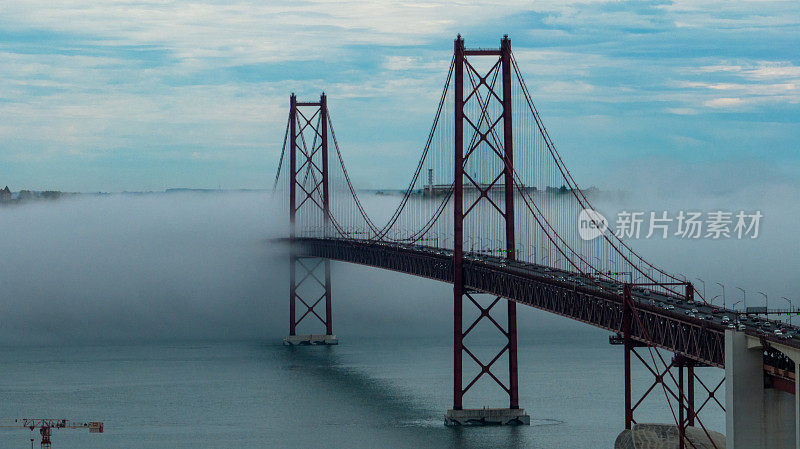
[759,70]
[755,84]
[567,88]
[633,20]
[775,70]
[682,111]
[724,102]
[745,15]
[172,80]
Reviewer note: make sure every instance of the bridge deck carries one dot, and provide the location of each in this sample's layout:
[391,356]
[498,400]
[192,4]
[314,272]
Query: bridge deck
[555,291]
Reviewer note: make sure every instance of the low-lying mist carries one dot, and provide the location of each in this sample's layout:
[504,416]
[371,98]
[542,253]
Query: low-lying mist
[126,268]
[769,263]
[163,267]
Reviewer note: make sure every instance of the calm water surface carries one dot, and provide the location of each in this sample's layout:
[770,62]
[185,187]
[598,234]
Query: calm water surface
[360,394]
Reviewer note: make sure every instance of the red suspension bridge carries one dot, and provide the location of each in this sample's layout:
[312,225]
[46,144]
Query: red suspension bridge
[492,209]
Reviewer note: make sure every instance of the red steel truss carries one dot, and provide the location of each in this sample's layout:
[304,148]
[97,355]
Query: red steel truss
[680,389]
[482,132]
[310,180]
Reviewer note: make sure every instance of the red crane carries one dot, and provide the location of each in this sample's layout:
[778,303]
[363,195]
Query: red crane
[46,425]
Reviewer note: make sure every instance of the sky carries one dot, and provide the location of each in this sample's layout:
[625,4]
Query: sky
[146,95]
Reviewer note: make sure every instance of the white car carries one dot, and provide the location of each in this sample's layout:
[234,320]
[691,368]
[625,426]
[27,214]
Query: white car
[725,319]
[741,327]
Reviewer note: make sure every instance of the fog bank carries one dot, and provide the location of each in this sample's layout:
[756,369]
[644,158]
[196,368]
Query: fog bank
[126,268]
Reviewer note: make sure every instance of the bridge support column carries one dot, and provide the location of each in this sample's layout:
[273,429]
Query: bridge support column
[756,417]
[686,404]
[313,285]
[690,399]
[627,321]
[513,414]
[676,380]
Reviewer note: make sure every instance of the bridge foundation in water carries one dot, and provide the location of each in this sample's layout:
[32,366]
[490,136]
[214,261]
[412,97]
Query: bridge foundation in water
[310,340]
[487,417]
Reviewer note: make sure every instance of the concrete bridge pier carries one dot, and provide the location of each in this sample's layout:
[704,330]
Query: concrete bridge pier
[757,417]
[310,340]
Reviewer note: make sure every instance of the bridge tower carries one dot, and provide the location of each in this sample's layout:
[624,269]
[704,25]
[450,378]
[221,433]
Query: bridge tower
[483,97]
[309,199]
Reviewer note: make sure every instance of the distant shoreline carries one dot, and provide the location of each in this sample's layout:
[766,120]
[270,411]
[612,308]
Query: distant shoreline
[8,197]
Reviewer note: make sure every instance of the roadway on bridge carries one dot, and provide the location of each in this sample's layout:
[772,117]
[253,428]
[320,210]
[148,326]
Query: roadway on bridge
[698,313]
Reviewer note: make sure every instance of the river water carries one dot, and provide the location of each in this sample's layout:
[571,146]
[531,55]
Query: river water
[389,392]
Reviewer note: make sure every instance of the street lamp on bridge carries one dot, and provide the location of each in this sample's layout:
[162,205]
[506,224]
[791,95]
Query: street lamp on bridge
[744,297]
[766,300]
[723,294]
[704,287]
[520,253]
[471,241]
[790,309]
